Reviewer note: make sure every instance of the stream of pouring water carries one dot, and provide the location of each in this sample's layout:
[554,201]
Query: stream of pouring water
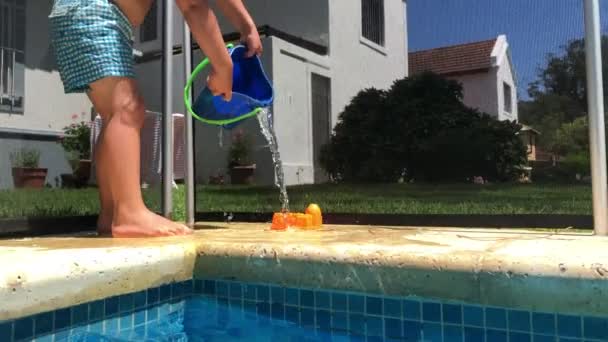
[267,127]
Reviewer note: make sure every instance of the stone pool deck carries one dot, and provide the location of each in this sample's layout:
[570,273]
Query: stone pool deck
[542,271]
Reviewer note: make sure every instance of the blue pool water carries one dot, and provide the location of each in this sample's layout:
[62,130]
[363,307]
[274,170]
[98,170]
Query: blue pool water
[232,311]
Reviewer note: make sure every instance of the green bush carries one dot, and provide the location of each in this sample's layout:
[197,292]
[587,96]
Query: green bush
[421,130]
[77,140]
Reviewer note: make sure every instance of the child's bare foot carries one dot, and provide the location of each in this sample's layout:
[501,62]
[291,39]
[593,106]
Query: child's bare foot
[104,224]
[144,223]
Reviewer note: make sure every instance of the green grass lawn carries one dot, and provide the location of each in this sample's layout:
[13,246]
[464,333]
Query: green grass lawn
[393,198]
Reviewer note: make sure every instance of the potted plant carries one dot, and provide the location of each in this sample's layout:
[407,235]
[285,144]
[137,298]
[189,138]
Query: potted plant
[25,169]
[241,169]
[77,144]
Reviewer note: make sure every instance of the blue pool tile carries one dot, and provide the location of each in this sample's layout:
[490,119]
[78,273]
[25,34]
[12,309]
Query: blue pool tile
[543,323]
[307,317]
[307,298]
[153,296]
[152,314]
[125,302]
[62,335]
[165,293]
[411,309]
[393,328]
[562,339]
[277,294]
[264,309]
[111,305]
[292,297]
[569,326]
[80,314]
[209,287]
[96,310]
[452,313]
[356,303]
[431,312]
[474,335]
[139,299]
[392,307]
[43,323]
[188,287]
[24,328]
[322,300]
[6,331]
[432,332]
[277,311]
[236,290]
[111,325]
[544,338]
[339,321]
[292,314]
[263,293]
[126,322]
[373,305]
[338,301]
[198,286]
[412,330]
[496,318]
[63,319]
[236,303]
[356,322]
[222,289]
[374,339]
[176,290]
[323,319]
[519,337]
[453,333]
[595,328]
[96,327]
[46,338]
[473,315]
[519,320]
[249,292]
[375,326]
[496,335]
[140,318]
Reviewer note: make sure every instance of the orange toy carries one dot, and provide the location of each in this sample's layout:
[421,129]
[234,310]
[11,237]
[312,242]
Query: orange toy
[279,221]
[311,219]
[317,217]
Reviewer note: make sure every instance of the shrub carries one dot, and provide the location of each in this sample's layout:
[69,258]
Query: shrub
[421,130]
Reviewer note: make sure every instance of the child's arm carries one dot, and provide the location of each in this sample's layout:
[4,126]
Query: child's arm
[206,32]
[237,14]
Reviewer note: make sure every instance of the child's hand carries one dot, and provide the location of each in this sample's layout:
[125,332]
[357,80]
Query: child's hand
[251,39]
[219,82]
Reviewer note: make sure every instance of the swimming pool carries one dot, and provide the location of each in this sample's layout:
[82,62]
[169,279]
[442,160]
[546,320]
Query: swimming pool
[217,310]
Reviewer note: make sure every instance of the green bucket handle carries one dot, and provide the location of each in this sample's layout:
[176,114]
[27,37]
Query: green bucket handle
[188,101]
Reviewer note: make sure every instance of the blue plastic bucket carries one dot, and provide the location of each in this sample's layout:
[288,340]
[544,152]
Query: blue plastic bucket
[251,91]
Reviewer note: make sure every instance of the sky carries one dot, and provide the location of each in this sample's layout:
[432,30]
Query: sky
[533,28]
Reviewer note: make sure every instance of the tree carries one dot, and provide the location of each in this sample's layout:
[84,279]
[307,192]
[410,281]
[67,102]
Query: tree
[420,129]
[559,95]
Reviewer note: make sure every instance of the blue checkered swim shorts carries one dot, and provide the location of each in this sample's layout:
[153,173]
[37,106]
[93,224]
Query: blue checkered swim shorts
[92,39]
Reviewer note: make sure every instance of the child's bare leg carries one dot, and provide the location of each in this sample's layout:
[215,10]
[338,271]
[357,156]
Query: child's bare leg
[118,100]
[104,222]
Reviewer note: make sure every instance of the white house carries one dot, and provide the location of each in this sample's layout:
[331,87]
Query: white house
[33,106]
[485,70]
[318,54]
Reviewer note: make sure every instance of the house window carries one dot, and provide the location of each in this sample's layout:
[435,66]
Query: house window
[149,29]
[372,20]
[12,55]
[508,98]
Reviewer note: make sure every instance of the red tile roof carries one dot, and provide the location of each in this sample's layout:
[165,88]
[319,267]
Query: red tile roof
[455,59]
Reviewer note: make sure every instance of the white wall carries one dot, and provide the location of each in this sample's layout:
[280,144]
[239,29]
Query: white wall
[480,91]
[46,107]
[505,75]
[354,64]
